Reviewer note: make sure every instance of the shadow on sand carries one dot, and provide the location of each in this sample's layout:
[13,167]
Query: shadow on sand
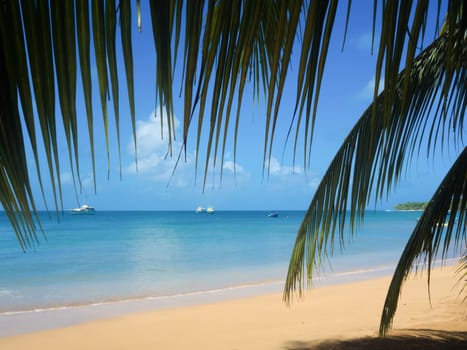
[407,339]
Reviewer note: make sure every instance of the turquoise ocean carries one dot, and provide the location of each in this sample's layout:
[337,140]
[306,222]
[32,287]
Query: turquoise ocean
[112,257]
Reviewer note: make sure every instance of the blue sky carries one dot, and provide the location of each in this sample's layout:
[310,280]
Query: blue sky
[346,92]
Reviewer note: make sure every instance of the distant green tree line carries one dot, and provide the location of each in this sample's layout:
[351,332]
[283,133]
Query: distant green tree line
[411,206]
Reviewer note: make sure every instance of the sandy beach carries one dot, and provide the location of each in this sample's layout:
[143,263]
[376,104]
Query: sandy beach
[344,316]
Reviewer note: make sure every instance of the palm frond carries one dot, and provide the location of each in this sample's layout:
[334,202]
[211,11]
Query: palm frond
[238,39]
[98,30]
[110,34]
[38,43]
[162,20]
[64,50]
[442,225]
[374,154]
[16,192]
[317,34]
[84,39]
[125,29]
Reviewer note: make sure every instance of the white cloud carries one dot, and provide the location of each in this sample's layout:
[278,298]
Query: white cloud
[366,93]
[291,178]
[66,178]
[154,159]
[156,164]
[233,167]
[278,169]
[314,182]
[149,137]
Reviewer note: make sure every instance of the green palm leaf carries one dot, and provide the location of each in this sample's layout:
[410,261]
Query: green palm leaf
[125,30]
[110,34]
[38,42]
[84,39]
[162,21]
[442,225]
[64,49]
[374,154]
[98,30]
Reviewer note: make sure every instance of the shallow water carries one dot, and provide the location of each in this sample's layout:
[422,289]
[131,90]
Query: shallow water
[121,256]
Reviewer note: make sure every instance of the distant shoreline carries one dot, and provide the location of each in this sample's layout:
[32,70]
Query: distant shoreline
[413,206]
[402,210]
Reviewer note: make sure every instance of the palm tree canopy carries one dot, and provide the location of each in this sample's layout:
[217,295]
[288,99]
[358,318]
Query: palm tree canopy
[222,46]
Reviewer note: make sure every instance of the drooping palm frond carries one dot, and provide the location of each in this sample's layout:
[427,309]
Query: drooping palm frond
[317,35]
[442,226]
[84,40]
[226,45]
[162,15]
[239,40]
[374,154]
[64,55]
[125,29]
[40,42]
[16,193]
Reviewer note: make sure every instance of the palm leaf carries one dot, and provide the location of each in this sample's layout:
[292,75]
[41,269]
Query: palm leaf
[162,20]
[98,30]
[110,35]
[317,34]
[191,55]
[442,225]
[373,155]
[125,29]
[15,58]
[16,192]
[64,49]
[233,39]
[84,39]
[38,41]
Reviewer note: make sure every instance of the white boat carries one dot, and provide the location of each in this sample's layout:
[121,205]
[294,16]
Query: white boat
[84,209]
[210,210]
[273,214]
[200,210]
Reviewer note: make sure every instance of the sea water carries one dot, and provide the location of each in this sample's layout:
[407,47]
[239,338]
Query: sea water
[133,255]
